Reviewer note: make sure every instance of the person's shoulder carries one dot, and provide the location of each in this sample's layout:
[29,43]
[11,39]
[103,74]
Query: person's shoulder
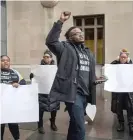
[17,72]
[42,62]
[90,52]
[88,49]
[12,70]
[130,61]
[65,43]
[115,62]
[52,62]
[21,80]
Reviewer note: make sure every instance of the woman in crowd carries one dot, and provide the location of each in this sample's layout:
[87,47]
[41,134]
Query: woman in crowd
[10,76]
[121,101]
[44,100]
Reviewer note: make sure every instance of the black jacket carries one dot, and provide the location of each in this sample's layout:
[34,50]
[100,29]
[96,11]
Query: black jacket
[65,84]
[45,104]
[115,103]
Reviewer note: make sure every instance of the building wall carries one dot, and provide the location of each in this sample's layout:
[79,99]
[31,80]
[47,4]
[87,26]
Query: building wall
[27,25]
[118,22]
[25,31]
[29,22]
[3,28]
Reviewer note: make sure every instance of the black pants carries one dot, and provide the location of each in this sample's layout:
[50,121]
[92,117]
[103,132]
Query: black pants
[124,101]
[40,123]
[14,129]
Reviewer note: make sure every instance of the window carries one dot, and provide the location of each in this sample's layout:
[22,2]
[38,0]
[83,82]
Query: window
[93,27]
[3,28]
[89,21]
[78,22]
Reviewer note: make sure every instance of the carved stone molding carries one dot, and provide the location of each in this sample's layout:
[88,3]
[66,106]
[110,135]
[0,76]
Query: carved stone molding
[49,4]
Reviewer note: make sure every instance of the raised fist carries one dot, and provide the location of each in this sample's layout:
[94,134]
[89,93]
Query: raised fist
[65,16]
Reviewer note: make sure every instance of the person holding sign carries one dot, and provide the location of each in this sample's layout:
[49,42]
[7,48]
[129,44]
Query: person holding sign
[74,82]
[10,76]
[121,101]
[44,99]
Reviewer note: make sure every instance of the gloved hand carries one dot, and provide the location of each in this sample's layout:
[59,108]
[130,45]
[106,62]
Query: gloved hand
[100,80]
[31,76]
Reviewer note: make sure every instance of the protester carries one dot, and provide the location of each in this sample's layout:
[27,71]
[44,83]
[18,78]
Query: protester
[10,76]
[74,83]
[121,101]
[44,100]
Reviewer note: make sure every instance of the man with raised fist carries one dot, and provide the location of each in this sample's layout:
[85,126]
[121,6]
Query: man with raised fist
[74,83]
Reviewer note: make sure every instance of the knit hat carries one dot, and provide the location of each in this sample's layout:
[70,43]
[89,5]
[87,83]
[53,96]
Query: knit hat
[48,52]
[124,51]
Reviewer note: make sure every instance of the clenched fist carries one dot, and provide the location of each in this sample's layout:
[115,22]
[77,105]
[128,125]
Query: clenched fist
[65,16]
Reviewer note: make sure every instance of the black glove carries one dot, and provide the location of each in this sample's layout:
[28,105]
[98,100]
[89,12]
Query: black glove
[98,82]
[31,76]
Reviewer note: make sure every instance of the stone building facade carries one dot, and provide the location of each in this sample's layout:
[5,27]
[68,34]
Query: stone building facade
[108,27]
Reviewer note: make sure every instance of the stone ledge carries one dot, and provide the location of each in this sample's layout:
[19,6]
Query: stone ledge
[49,4]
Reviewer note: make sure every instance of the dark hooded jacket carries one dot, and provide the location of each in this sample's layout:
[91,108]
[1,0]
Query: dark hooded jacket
[44,100]
[66,80]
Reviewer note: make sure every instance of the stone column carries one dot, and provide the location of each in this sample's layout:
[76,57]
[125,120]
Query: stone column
[49,15]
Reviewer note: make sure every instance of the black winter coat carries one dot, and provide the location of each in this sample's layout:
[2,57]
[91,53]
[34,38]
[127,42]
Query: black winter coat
[65,84]
[115,103]
[45,104]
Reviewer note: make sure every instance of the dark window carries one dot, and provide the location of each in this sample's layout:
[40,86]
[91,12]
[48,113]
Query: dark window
[100,21]
[99,33]
[89,34]
[79,22]
[89,21]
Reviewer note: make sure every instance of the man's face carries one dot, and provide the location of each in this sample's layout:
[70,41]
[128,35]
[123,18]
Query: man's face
[47,59]
[76,35]
[5,62]
[123,58]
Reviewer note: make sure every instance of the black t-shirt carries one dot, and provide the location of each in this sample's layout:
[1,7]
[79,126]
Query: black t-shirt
[84,68]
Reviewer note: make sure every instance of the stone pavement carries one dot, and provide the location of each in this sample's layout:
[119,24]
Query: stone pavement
[103,128]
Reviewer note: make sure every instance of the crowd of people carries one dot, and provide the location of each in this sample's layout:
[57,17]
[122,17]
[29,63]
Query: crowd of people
[74,84]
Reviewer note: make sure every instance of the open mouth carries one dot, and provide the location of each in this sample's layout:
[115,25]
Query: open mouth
[81,38]
[5,65]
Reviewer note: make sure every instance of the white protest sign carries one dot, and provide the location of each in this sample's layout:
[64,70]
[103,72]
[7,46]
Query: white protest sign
[44,75]
[120,77]
[19,104]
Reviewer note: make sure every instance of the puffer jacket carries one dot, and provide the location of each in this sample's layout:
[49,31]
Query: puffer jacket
[45,104]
